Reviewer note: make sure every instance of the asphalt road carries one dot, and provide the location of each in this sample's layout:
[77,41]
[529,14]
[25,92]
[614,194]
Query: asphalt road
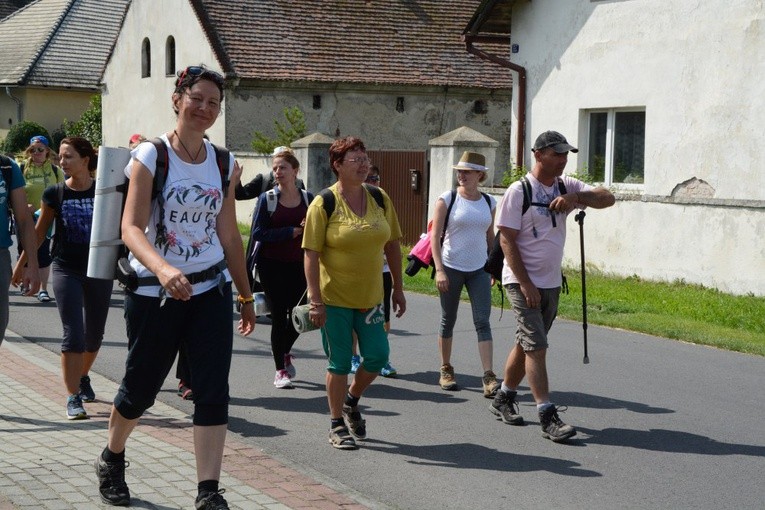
[662,424]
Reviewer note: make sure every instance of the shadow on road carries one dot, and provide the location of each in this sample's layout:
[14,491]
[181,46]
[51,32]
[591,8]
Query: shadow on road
[474,456]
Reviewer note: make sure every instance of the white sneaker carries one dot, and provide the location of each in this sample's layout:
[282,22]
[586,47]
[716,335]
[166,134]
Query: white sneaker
[282,380]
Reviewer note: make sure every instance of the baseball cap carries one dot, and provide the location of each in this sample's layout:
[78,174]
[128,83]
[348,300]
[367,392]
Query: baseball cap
[40,139]
[555,140]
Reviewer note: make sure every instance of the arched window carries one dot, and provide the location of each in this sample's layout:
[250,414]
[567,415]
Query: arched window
[170,56]
[145,58]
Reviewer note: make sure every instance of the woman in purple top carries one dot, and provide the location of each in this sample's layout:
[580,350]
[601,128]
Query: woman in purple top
[278,227]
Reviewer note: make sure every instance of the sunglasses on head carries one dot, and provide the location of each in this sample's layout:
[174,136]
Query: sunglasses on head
[199,71]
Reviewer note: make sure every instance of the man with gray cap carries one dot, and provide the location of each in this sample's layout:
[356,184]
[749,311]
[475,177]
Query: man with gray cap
[532,224]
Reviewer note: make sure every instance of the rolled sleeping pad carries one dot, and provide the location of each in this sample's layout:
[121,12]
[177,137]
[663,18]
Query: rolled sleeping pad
[105,235]
[300,319]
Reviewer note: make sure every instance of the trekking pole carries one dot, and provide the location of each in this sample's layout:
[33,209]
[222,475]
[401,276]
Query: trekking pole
[580,219]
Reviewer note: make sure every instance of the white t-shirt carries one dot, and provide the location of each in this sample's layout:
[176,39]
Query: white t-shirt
[465,247]
[542,254]
[193,199]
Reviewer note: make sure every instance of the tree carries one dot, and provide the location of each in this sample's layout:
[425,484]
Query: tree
[89,125]
[19,135]
[285,133]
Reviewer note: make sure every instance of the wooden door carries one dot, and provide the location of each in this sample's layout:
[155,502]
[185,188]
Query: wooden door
[395,178]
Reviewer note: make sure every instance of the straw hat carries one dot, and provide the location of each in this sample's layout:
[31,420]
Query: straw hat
[472,161]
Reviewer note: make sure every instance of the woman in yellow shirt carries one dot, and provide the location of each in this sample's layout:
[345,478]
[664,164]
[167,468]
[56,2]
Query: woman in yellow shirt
[343,270]
[39,173]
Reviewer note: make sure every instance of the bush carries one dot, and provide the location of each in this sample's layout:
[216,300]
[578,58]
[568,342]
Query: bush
[19,135]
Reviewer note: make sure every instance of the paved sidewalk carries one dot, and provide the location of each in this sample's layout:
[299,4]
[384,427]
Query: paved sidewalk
[46,461]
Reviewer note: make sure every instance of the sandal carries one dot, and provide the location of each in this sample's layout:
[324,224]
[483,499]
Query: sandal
[340,438]
[184,391]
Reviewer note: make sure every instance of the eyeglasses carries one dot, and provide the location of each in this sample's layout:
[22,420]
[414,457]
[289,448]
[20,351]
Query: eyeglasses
[363,160]
[373,178]
[39,149]
[201,72]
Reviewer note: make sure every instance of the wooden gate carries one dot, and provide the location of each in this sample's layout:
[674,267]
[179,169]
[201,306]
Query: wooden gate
[396,170]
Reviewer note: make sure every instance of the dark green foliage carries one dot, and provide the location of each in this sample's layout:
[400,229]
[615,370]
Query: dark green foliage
[89,125]
[19,135]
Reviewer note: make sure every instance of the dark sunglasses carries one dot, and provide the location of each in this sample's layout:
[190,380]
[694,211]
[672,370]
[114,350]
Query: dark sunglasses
[39,149]
[202,72]
[373,178]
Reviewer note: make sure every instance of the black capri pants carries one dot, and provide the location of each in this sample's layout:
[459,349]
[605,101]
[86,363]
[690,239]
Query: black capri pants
[204,326]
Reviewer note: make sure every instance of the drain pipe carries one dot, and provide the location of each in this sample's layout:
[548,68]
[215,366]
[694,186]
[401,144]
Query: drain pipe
[468,39]
[19,104]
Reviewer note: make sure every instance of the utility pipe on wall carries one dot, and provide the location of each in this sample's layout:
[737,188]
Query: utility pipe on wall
[521,90]
[19,104]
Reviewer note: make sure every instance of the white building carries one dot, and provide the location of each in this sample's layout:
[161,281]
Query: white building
[666,103]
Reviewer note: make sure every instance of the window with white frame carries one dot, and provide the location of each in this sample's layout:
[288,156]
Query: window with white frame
[616,146]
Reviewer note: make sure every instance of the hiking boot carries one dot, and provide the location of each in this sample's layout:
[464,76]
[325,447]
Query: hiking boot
[355,363]
[388,370]
[288,366]
[282,380]
[74,408]
[211,501]
[447,380]
[553,427]
[506,407]
[356,424]
[111,482]
[340,438]
[490,384]
[86,390]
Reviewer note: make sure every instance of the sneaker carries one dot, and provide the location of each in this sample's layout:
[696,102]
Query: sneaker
[74,409]
[356,424]
[86,390]
[211,501]
[506,407]
[288,366]
[43,296]
[340,438]
[490,384]
[388,370]
[553,427]
[447,380]
[282,380]
[355,363]
[111,482]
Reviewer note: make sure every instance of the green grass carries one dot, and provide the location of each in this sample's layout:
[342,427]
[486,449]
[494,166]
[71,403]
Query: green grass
[677,310]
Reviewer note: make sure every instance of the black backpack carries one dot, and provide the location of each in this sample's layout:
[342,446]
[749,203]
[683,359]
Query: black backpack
[329,198]
[496,258]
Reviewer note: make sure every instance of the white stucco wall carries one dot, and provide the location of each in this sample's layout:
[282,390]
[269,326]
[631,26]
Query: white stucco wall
[132,104]
[695,67]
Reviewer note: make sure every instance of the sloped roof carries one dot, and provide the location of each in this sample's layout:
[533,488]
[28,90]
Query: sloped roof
[8,7]
[60,43]
[362,41]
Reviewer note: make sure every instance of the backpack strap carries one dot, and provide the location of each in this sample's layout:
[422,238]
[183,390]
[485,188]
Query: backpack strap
[448,212]
[526,185]
[376,194]
[561,187]
[306,198]
[328,199]
[271,201]
[55,170]
[160,172]
[222,158]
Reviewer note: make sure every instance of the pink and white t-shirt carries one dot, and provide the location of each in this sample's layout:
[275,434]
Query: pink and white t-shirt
[539,242]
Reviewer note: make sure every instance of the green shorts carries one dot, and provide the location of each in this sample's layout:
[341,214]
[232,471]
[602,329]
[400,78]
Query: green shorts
[337,338]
